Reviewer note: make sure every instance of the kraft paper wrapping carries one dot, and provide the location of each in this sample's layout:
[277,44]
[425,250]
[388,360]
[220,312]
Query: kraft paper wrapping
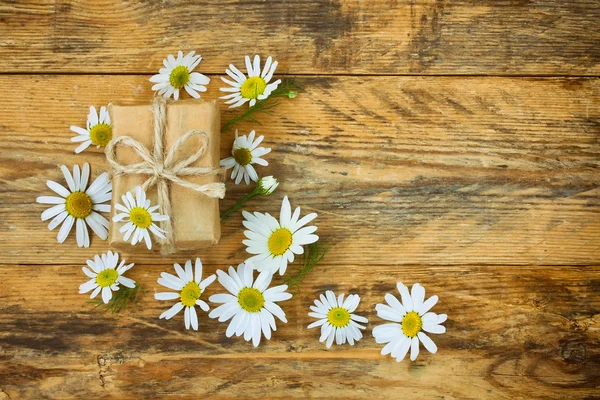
[196,218]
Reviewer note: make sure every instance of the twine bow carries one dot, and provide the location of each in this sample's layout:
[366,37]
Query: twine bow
[163,169]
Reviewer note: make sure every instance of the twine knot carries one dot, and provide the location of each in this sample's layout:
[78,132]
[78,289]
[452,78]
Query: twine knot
[165,168]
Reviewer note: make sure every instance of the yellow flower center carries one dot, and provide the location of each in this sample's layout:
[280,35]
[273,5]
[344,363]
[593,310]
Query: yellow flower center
[338,317]
[107,277]
[253,87]
[101,134]
[140,217]
[242,156]
[279,241]
[190,293]
[179,77]
[412,324]
[78,204]
[251,299]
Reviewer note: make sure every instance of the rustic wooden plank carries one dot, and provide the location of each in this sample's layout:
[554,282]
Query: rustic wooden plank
[512,333]
[540,37]
[401,170]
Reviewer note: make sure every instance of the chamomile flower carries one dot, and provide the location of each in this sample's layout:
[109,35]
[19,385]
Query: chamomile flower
[105,276]
[177,74]
[411,319]
[98,130]
[140,217]
[249,302]
[273,242]
[189,287]
[245,152]
[267,185]
[77,205]
[252,88]
[336,319]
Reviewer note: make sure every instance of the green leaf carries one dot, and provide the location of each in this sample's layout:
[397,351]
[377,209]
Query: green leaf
[313,255]
[120,299]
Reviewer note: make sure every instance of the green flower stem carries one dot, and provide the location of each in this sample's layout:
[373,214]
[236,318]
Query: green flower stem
[239,203]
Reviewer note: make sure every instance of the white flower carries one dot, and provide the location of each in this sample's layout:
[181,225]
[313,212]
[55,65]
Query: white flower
[336,319]
[267,185]
[140,216]
[177,74]
[189,287]
[77,205]
[245,152]
[273,242]
[98,130]
[411,320]
[255,87]
[106,276]
[251,304]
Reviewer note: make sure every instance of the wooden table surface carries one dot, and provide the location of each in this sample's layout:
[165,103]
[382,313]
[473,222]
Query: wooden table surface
[451,143]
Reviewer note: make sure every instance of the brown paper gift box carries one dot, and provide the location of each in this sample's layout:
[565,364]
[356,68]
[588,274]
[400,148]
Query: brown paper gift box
[195,216]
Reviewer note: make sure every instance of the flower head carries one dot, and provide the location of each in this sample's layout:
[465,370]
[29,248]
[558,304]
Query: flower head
[77,205]
[252,88]
[141,218]
[336,319]
[105,276]
[251,303]
[411,319]
[245,152]
[177,74]
[267,185]
[189,287]
[98,130]
[273,242]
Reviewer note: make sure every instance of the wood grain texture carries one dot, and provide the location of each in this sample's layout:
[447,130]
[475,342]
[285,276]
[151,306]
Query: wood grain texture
[507,37]
[530,332]
[451,143]
[401,170]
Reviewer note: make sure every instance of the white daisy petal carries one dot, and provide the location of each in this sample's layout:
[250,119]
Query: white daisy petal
[271,71]
[50,200]
[427,305]
[193,318]
[68,178]
[106,294]
[171,312]
[85,175]
[87,286]
[53,211]
[418,296]
[58,188]
[414,348]
[65,229]
[427,342]
[403,349]
[166,296]
[202,305]
[407,301]
[130,283]
[434,328]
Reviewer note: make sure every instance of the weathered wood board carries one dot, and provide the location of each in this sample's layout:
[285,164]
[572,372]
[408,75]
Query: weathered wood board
[491,37]
[525,332]
[401,170]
